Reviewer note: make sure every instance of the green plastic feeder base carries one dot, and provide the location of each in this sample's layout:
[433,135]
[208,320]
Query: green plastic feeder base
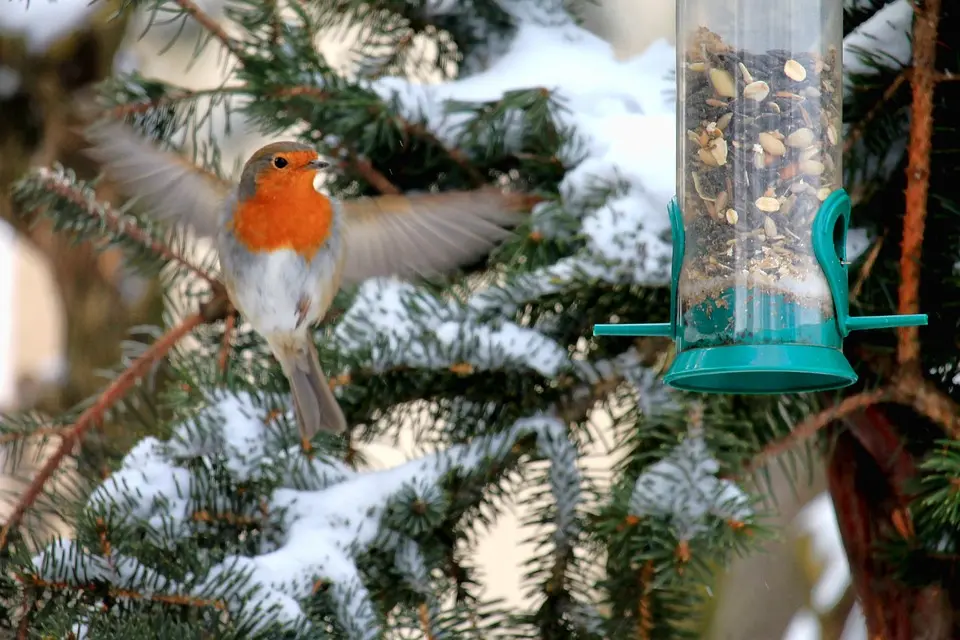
[779,358]
[760,369]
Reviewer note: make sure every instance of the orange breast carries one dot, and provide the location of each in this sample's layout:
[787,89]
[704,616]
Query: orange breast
[286,213]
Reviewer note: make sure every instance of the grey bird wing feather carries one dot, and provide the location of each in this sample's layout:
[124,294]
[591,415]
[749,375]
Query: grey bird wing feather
[425,234]
[171,187]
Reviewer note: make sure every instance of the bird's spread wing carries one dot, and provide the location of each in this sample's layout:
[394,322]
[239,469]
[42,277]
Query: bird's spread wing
[425,234]
[170,187]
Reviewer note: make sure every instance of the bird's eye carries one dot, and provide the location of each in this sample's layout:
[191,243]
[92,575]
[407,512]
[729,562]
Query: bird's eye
[280,162]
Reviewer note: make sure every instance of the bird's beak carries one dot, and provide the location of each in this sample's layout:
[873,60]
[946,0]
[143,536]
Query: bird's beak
[318,164]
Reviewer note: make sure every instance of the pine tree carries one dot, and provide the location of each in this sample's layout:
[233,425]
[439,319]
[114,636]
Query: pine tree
[227,527]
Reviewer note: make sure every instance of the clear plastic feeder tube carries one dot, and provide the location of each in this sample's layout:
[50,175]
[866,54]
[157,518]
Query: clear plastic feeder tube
[759,150]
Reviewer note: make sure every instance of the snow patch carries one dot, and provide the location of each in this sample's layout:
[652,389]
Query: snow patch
[8,275]
[42,22]
[885,36]
[623,115]
[400,326]
[321,530]
[684,487]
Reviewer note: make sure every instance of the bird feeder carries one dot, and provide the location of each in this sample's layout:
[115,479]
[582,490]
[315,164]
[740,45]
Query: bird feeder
[759,300]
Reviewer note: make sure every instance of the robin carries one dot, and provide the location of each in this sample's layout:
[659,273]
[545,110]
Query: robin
[285,248]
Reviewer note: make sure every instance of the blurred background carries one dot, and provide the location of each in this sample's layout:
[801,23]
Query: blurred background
[64,311]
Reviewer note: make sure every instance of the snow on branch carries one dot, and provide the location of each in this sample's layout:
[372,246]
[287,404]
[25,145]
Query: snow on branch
[399,325]
[883,39]
[623,115]
[320,527]
[684,487]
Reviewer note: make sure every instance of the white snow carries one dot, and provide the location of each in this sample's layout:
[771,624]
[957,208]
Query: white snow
[8,259]
[803,626]
[886,37]
[887,33]
[402,327]
[321,529]
[42,22]
[623,113]
[624,117]
[684,487]
[819,521]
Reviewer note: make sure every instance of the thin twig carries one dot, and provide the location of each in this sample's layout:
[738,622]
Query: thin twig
[143,106]
[809,427]
[172,599]
[644,612]
[857,130]
[94,415]
[16,436]
[424,614]
[116,224]
[923,79]
[229,325]
[866,268]
[363,167]
[208,23]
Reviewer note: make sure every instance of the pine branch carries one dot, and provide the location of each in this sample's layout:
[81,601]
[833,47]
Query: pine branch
[812,425]
[923,81]
[408,131]
[9,438]
[212,311]
[423,613]
[208,23]
[922,396]
[644,614]
[859,128]
[36,582]
[169,100]
[89,218]
[363,167]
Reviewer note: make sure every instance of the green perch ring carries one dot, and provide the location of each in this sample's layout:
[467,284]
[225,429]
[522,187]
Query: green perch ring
[789,349]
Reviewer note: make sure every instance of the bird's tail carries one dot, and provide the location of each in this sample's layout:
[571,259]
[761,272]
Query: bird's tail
[316,407]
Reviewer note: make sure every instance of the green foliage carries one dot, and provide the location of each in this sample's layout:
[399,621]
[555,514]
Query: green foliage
[491,422]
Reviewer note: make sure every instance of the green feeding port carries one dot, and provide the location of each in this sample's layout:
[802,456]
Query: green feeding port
[759,294]
[749,337]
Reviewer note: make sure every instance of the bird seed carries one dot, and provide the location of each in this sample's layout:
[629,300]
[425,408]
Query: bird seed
[760,153]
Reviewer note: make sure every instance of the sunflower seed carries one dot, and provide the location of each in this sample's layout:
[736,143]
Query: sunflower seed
[757,91]
[771,144]
[794,70]
[801,138]
[723,83]
[768,204]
